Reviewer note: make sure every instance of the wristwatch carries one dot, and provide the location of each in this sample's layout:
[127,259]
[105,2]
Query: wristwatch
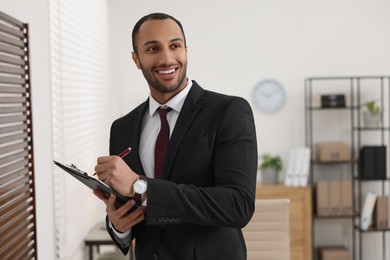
[139,187]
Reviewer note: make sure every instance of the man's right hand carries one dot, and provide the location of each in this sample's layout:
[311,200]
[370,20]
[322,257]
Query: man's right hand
[119,218]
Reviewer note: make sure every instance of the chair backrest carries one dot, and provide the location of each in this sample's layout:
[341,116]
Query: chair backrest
[267,234]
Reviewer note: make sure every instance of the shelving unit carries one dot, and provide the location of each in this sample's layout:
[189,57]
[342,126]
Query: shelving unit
[345,124]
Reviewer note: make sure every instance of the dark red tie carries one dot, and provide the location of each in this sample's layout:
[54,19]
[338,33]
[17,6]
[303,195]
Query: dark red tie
[161,143]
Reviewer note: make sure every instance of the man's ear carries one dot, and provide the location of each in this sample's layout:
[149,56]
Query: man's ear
[136,60]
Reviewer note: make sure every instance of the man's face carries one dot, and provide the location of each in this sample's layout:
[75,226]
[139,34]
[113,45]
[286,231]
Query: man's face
[162,57]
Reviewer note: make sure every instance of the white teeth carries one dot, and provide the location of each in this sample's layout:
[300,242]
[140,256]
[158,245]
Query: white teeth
[166,71]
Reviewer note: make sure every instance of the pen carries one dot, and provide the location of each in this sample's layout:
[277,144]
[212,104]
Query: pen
[122,154]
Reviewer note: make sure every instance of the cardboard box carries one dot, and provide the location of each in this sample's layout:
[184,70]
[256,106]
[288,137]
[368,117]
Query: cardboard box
[346,198]
[381,212]
[334,253]
[332,152]
[322,198]
[334,197]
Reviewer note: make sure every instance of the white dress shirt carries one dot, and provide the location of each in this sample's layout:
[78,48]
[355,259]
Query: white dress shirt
[150,128]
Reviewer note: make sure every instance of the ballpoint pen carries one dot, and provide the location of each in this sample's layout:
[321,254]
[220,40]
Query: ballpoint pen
[122,154]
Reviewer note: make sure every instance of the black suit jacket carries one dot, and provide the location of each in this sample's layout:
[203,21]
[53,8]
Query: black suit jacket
[208,188]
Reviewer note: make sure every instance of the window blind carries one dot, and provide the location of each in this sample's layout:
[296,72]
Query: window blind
[17,193]
[81,114]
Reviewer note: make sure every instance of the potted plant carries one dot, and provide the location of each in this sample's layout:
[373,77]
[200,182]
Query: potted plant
[371,114]
[270,167]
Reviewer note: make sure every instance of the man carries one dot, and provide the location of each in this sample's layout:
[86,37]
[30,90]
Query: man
[205,195]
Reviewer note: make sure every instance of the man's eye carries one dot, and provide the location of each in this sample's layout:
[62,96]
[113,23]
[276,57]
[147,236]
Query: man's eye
[151,49]
[175,46]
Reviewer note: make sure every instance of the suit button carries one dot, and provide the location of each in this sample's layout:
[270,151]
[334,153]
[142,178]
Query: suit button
[177,220]
[160,220]
[155,256]
[171,220]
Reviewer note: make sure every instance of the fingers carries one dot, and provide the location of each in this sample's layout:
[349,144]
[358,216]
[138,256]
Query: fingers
[98,193]
[119,217]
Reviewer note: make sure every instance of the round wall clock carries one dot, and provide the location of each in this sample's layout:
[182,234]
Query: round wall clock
[269,96]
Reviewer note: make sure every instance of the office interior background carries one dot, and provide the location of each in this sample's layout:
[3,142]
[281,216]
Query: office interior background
[83,77]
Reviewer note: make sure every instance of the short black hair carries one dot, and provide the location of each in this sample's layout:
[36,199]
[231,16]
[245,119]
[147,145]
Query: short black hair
[153,16]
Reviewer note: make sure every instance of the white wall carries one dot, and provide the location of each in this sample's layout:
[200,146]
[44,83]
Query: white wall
[235,44]
[36,14]
[232,46]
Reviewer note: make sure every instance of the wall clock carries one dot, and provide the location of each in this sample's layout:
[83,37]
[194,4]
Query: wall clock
[268,96]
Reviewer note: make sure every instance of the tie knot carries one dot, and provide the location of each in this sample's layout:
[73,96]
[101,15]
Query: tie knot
[163,111]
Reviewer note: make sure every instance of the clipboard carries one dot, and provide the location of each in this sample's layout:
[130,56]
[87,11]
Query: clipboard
[94,183]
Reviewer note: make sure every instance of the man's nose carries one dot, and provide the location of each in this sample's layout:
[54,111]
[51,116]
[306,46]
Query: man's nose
[166,57]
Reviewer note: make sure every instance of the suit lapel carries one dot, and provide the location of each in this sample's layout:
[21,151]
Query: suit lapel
[188,113]
[134,137]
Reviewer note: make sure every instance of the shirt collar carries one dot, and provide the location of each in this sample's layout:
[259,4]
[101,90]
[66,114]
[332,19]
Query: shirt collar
[176,103]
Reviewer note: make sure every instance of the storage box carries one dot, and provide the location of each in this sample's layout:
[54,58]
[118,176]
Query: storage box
[334,198]
[334,253]
[322,198]
[381,212]
[333,101]
[332,152]
[346,198]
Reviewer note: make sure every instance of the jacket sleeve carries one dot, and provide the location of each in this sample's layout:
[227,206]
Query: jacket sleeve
[122,243]
[214,178]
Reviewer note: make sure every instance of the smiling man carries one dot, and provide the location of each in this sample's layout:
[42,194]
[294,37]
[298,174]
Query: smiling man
[192,168]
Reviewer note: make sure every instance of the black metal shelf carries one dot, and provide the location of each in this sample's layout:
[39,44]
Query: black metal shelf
[353,88]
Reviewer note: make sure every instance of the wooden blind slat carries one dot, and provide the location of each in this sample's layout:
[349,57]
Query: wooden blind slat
[11,138]
[14,179]
[11,41]
[11,50]
[11,60]
[13,109]
[14,201]
[9,19]
[13,100]
[11,70]
[12,31]
[13,223]
[13,251]
[26,251]
[13,148]
[11,129]
[19,241]
[12,80]
[13,157]
[13,167]
[12,90]
[12,119]
[8,215]
[11,194]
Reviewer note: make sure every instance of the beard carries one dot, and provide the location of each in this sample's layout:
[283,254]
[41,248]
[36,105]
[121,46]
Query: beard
[154,83]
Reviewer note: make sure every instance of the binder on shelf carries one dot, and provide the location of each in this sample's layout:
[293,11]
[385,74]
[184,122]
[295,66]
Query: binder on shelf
[290,172]
[367,210]
[346,198]
[372,163]
[298,166]
[334,198]
[322,198]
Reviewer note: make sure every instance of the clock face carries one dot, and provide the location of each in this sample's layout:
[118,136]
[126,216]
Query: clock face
[268,96]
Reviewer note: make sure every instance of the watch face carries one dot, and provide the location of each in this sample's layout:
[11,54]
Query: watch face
[268,96]
[140,186]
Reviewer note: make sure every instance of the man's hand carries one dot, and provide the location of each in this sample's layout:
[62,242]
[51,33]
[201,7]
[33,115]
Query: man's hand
[119,218]
[113,171]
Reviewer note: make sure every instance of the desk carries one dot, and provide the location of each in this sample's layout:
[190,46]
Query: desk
[300,216]
[98,237]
